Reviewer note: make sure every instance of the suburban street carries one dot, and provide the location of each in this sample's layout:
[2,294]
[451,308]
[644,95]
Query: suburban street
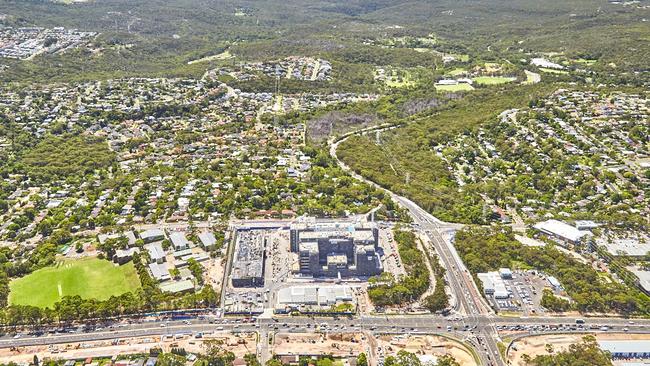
[471,320]
[466,297]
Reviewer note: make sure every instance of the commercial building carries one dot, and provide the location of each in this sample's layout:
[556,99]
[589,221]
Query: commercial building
[627,348]
[505,273]
[336,249]
[249,259]
[313,297]
[643,279]
[562,231]
[494,285]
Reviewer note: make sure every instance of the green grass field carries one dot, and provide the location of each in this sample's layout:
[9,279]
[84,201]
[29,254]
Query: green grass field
[493,80]
[553,71]
[454,88]
[457,72]
[88,278]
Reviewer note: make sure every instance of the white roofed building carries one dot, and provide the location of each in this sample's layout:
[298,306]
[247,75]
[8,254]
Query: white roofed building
[627,348]
[494,285]
[207,239]
[562,231]
[179,241]
[311,296]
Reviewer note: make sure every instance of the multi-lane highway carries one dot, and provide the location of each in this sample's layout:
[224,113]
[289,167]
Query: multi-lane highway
[466,296]
[472,321]
[467,299]
[456,327]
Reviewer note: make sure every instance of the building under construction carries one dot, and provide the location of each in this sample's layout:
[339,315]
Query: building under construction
[337,249]
[249,259]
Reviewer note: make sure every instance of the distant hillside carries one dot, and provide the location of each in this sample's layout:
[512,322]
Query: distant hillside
[165,34]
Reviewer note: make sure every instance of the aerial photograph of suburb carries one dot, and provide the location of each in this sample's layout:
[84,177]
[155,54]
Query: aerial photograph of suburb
[324,183]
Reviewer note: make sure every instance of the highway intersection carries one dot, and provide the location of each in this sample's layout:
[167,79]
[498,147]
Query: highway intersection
[470,321]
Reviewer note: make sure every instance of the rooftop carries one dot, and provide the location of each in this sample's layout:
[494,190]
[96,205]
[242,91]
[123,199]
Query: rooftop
[313,295]
[626,346]
[561,229]
[177,286]
[630,247]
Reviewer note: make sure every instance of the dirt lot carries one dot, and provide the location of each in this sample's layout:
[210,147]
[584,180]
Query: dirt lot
[426,345]
[240,344]
[534,346]
[214,272]
[338,345]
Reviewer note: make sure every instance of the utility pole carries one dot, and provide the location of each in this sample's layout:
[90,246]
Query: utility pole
[277,94]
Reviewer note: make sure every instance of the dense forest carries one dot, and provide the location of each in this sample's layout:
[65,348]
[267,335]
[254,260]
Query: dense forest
[154,37]
[404,160]
[59,157]
[388,291]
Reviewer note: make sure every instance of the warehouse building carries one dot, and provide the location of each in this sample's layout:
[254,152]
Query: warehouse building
[642,279]
[627,248]
[563,232]
[555,284]
[627,348]
[337,249]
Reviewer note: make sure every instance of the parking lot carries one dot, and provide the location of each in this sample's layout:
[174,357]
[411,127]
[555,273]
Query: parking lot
[390,260]
[525,289]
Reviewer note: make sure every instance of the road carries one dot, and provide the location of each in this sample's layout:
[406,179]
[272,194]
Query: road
[472,320]
[375,325]
[467,299]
